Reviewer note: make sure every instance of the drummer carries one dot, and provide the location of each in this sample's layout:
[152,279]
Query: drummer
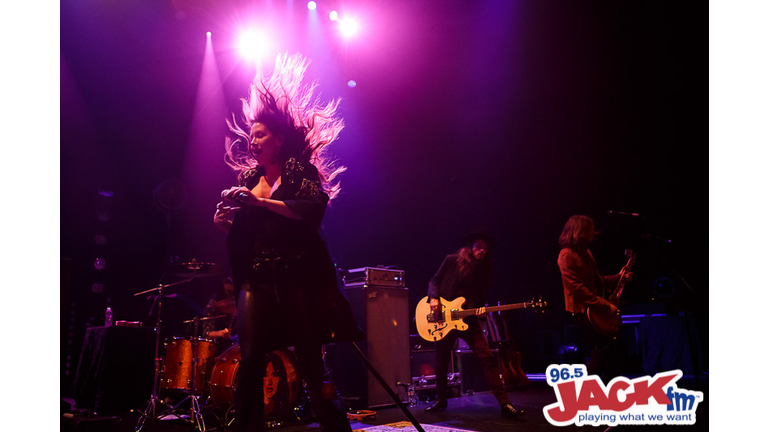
[221,313]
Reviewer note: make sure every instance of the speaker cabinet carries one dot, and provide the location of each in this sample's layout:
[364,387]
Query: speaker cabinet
[382,313]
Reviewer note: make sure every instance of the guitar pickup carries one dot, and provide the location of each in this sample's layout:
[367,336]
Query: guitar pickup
[434,317]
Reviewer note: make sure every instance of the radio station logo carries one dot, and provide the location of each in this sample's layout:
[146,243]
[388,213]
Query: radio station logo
[584,400]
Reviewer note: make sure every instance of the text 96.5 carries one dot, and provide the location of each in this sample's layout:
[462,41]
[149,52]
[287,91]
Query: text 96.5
[560,373]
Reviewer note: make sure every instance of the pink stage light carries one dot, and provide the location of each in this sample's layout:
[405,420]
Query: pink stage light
[311,5]
[208,34]
[252,45]
[348,27]
[333,15]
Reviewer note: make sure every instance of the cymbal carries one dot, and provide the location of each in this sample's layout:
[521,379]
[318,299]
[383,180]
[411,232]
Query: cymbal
[226,306]
[194,268]
[206,318]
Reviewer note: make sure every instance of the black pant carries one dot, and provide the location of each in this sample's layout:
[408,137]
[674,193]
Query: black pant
[473,336]
[256,310]
[608,355]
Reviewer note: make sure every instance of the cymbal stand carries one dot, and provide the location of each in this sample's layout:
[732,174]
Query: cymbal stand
[195,413]
[155,401]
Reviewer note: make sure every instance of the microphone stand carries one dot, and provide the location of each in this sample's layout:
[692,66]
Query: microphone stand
[388,389]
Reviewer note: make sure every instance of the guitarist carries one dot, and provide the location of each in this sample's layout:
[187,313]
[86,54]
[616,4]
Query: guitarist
[584,287]
[467,274]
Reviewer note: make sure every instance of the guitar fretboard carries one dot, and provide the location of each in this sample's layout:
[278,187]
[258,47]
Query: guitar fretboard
[489,309]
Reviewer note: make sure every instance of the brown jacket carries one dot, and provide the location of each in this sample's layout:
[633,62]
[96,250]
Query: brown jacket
[582,282]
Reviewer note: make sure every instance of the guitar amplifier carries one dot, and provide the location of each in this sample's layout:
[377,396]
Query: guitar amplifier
[374,276]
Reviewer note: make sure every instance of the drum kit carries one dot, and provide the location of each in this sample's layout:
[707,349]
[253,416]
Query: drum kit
[191,368]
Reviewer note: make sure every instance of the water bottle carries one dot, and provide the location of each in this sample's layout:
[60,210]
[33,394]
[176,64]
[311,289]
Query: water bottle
[108,317]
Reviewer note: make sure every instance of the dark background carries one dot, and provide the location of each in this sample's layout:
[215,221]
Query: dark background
[507,115]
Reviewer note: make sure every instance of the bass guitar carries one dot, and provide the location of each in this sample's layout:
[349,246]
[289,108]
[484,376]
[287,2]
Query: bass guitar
[450,316]
[600,317]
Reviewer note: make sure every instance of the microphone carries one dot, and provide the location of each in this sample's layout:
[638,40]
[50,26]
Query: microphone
[618,213]
[240,197]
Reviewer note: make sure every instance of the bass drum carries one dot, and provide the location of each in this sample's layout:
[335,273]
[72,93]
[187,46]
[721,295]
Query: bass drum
[281,381]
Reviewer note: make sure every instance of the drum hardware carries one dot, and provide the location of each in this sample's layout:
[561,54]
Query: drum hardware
[155,404]
[195,413]
[229,418]
[196,320]
[194,269]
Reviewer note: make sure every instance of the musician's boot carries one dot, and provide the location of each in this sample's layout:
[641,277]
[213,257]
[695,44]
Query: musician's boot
[439,405]
[510,412]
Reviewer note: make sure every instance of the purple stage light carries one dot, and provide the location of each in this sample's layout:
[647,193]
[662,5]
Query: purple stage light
[208,34]
[252,45]
[352,83]
[333,15]
[348,27]
[311,5]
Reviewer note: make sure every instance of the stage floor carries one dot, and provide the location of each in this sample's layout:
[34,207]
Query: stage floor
[478,412]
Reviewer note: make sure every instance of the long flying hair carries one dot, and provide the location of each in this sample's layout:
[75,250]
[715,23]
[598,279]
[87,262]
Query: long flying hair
[287,107]
[576,231]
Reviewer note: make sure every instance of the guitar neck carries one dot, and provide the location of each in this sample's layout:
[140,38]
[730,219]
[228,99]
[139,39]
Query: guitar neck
[490,309]
[623,281]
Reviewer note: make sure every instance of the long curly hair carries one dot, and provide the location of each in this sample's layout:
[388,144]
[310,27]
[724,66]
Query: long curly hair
[287,107]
